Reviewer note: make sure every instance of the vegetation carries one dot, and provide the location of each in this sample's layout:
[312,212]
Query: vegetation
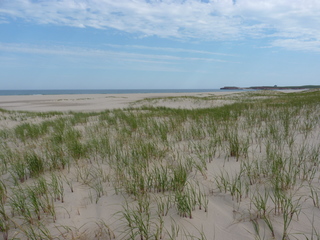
[157,164]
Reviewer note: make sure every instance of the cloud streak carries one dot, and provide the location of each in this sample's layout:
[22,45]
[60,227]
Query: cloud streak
[281,22]
[103,54]
[168,49]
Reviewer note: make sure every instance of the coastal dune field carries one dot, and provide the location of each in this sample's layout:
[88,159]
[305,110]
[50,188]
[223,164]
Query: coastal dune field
[226,165]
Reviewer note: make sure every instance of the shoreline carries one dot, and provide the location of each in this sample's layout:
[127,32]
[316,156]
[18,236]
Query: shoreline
[100,91]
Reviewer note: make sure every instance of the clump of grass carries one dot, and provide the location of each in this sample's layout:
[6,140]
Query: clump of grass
[103,231]
[57,187]
[4,218]
[314,196]
[137,223]
[180,175]
[34,164]
[18,168]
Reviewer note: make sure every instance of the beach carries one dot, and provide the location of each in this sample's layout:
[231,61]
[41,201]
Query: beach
[211,165]
[85,102]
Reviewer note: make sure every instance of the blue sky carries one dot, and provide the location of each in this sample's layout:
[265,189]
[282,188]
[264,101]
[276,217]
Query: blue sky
[134,44]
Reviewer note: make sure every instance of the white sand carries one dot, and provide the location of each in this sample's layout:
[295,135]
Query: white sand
[225,218]
[87,102]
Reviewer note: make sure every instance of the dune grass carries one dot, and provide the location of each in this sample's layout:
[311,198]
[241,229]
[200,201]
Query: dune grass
[161,163]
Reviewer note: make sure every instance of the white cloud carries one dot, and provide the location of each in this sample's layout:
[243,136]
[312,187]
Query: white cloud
[298,44]
[296,22]
[104,54]
[168,49]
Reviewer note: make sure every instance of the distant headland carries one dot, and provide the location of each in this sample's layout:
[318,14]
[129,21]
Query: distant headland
[275,87]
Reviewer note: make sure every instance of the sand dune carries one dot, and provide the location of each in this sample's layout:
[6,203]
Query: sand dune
[231,166]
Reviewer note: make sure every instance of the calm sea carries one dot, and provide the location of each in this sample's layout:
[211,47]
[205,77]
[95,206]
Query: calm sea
[104,91]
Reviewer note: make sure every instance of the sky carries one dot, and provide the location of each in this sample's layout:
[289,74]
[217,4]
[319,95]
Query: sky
[158,44]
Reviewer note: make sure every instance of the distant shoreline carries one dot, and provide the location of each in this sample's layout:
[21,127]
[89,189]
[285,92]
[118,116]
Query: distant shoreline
[89,102]
[99,91]
[272,87]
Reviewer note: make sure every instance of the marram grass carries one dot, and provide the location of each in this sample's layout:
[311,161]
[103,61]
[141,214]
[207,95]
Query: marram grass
[166,165]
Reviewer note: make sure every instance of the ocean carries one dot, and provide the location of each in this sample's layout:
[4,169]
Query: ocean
[104,91]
